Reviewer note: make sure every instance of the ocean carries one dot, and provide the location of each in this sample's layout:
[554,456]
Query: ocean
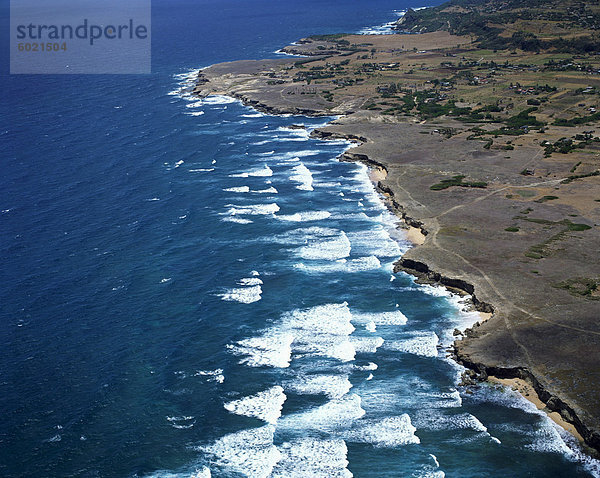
[193,288]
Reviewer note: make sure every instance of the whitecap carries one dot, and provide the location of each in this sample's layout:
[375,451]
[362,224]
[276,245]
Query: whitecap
[366,344]
[245,295]
[305,216]
[252,209]
[213,375]
[313,457]
[431,419]
[272,349]
[417,343]
[334,386]
[238,220]
[301,174]
[182,423]
[266,171]
[318,331]
[322,331]
[270,190]
[248,452]
[248,281]
[329,249]
[238,189]
[335,414]
[394,317]
[390,432]
[265,405]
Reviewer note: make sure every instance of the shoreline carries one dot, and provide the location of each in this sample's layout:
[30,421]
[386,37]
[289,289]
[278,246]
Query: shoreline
[417,236]
[527,390]
[427,260]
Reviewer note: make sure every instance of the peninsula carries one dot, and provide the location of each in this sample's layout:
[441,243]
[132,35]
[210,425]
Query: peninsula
[483,120]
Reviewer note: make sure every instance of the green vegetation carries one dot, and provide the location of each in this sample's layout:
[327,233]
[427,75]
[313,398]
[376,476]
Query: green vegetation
[577,227]
[566,145]
[581,287]
[328,95]
[330,37]
[457,181]
[546,198]
[578,120]
[475,18]
[523,120]
[580,176]
[543,249]
[512,229]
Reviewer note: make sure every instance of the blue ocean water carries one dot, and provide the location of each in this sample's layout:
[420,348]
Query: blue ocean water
[190,287]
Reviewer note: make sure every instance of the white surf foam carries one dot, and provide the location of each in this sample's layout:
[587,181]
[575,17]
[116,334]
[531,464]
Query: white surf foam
[304,216]
[238,220]
[238,189]
[429,472]
[390,432]
[270,190]
[182,423]
[302,235]
[417,343]
[301,174]
[329,249]
[431,419]
[333,415]
[314,458]
[272,349]
[363,264]
[304,134]
[245,295]
[359,264]
[203,473]
[366,344]
[248,452]
[264,405]
[186,82]
[375,241]
[319,331]
[252,209]
[380,318]
[334,386]
[266,171]
[219,100]
[248,281]
[212,375]
[322,331]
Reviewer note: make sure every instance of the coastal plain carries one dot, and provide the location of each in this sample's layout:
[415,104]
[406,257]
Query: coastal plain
[493,156]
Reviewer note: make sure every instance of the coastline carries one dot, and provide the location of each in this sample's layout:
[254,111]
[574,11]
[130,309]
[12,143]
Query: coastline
[428,260]
[417,235]
[528,391]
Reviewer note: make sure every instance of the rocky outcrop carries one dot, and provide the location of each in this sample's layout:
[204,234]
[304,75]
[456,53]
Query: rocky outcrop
[426,275]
